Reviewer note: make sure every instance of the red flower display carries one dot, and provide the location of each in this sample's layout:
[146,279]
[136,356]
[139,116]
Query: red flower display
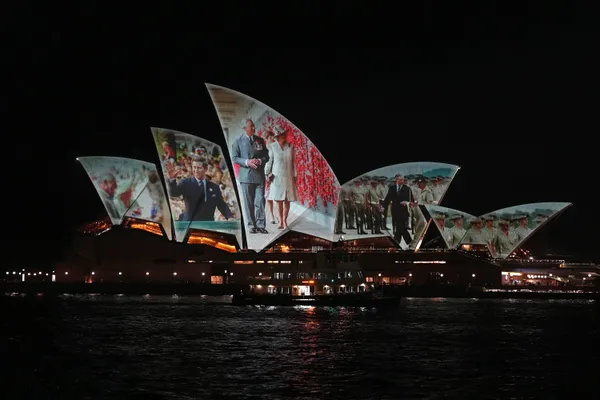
[316,179]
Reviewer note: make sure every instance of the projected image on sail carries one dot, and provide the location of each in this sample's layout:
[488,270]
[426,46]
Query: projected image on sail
[151,204]
[388,201]
[454,225]
[283,180]
[118,181]
[510,227]
[199,184]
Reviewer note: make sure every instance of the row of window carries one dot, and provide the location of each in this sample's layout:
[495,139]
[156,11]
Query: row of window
[262,262]
[318,275]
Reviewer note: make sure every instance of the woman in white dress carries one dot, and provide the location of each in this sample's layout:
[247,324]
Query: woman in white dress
[270,139]
[281,172]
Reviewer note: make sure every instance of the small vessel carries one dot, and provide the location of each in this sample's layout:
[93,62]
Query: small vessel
[327,300]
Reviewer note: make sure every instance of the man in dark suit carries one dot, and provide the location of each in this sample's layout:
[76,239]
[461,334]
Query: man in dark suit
[400,195]
[251,154]
[200,195]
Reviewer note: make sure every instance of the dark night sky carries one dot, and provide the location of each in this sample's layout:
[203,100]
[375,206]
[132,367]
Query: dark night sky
[510,95]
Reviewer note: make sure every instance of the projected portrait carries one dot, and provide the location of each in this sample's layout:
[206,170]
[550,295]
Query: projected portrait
[284,182]
[199,184]
[507,229]
[118,181]
[389,201]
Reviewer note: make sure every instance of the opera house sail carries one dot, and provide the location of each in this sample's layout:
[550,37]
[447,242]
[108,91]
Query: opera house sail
[508,228]
[278,182]
[390,201]
[199,184]
[452,225]
[284,182]
[129,188]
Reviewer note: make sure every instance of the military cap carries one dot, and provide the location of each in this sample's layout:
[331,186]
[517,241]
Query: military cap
[476,220]
[439,177]
[503,222]
[540,218]
[518,217]
[456,216]
[489,217]
[420,179]
[356,180]
[382,179]
[365,179]
[440,215]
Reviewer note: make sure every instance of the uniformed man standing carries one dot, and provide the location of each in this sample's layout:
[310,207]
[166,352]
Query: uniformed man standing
[341,213]
[349,210]
[381,192]
[506,239]
[367,216]
[440,221]
[489,233]
[457,232]
[522,230]
[358,198]
[423,196]
[374,204]
[437,188]
[475,234]
[424,193]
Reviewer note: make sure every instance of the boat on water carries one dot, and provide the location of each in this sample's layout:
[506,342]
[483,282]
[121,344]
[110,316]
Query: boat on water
[326,300]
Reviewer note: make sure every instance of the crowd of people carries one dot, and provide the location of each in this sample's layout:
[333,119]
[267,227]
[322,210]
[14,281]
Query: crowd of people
[367,204]
[501,233]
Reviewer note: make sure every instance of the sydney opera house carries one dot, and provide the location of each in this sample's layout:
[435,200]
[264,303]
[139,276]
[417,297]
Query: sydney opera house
[268,211]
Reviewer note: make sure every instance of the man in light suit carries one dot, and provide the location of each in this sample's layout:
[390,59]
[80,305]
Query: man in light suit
[200,195]
[251,154]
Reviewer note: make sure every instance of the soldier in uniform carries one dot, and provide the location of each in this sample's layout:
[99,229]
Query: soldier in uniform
[349,210]
[390,183]
[358,198]
[341,213]
[489,233]
[423,193]
[367,214]
[423,196]
[506,239]
[374,205]
[522,230]
[475,234]
[440,221]
[457,232]
[381,192]
[437,188]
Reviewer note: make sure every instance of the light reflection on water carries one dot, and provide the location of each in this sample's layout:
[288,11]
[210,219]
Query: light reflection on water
[178,347]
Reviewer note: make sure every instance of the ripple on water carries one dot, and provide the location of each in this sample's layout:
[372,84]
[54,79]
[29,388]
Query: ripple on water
[165,347]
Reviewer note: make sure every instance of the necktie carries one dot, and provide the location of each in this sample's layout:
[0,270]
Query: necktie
[398,189]
[202,191]
[252,141]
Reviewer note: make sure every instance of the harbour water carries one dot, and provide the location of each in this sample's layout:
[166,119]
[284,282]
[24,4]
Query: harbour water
[192,347]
